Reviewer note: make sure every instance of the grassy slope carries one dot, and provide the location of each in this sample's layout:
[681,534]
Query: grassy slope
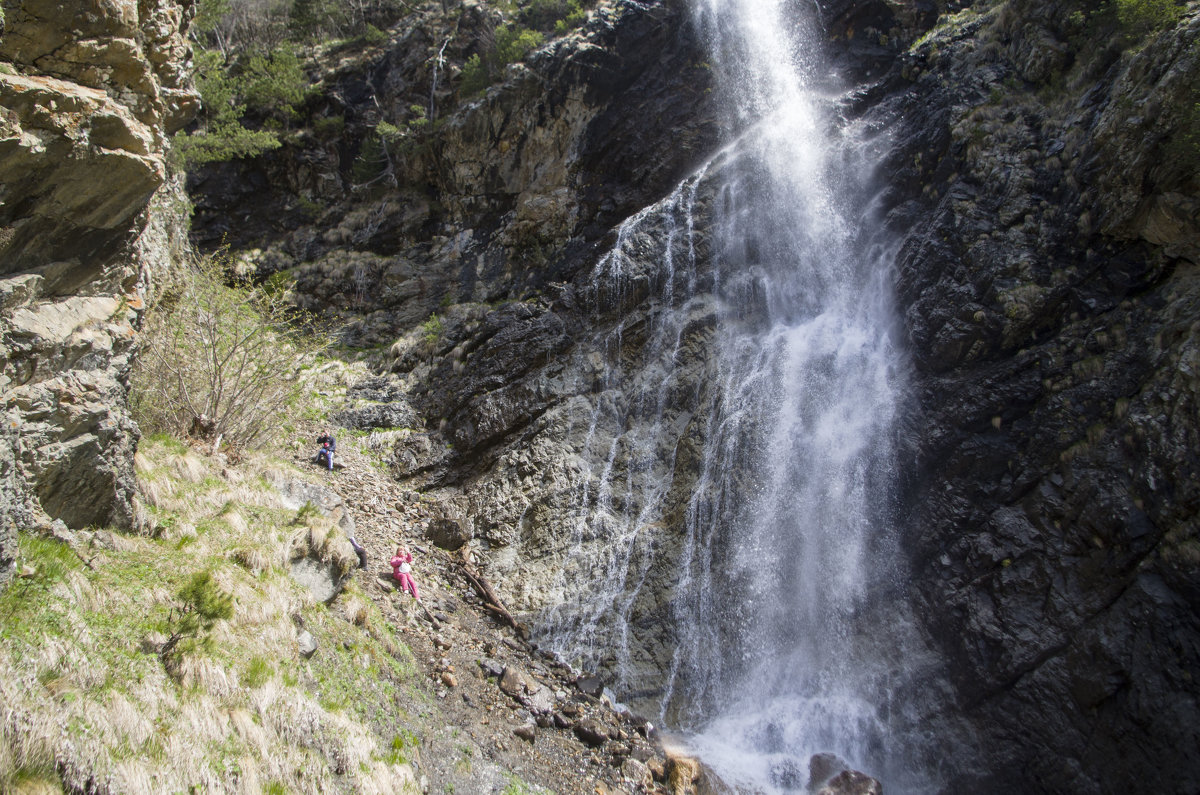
[89,704]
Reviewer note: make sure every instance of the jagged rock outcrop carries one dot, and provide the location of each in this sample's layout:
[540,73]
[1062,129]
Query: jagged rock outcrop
[88,216]
[501,194]
[87,110]
[514,197]
[1044,185]
[1049,290]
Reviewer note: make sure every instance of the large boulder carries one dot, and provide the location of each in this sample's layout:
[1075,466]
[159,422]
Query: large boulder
[322,559]
[448,527]
[296,493]
[851,782]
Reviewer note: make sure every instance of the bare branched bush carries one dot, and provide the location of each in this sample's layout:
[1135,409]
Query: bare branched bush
[218,363]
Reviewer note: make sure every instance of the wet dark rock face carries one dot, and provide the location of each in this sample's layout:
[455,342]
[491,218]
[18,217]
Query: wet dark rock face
[1052,313]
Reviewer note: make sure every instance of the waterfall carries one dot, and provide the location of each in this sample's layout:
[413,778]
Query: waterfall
[732,521]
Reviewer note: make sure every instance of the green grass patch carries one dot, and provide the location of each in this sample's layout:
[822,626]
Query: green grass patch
[166,442]
[258,672]
[401,742]
[517,786]
[31,609]
[358,673]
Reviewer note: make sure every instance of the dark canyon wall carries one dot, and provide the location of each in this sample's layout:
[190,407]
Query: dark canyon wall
[1049,286]
[500,194]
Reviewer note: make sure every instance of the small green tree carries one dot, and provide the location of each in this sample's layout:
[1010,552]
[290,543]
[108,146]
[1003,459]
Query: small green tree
[202,605]
[475,77]
[557,15]
[431,333]
[274,84]
[514,43]
[420,117]
[374,161]
[309,20]
[509,44]
[1141,17]
[220,134]
[208,16]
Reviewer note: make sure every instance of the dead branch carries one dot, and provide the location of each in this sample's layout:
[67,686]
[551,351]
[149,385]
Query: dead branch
[491,601]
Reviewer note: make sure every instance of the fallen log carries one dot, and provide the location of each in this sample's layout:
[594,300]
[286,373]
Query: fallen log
[491,601]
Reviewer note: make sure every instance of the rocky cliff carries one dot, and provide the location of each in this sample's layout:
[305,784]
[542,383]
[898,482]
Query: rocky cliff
[494,225]
[88,215]
[496,196]
[1042,178]
[1050,294]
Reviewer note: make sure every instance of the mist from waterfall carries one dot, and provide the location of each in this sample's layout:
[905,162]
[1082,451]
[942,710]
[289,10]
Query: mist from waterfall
[784,604]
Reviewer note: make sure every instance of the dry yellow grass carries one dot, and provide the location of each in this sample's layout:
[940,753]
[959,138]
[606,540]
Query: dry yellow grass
[355,610]
[320,539]
[188,467]
[85,703]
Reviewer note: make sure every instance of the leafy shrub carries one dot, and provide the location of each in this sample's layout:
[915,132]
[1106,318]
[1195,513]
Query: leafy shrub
[510,44]
[328,128]
[219,362]
[475,77]
[270,83]
[517,786]
[514,43]
[274,84]
[419,117]
[388,132]
[431,330]
[1140,17]
[223,142]
[556,15]
[309,20]
[373,35]
[374,161]
[431,333]
[570,22]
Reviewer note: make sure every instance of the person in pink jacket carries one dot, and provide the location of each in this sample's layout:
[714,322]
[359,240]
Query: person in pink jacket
[402,571]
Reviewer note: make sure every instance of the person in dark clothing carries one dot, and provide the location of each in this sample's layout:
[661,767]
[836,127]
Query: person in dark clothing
[328,446]
[358,550]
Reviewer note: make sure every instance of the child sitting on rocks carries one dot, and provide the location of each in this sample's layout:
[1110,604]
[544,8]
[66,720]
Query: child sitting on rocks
[402,571]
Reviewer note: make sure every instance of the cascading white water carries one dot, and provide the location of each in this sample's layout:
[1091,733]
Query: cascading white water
[760,468]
